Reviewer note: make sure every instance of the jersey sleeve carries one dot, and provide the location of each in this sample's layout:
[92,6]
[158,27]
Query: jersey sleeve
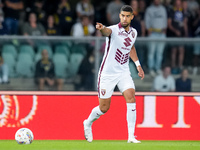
[112,28]
[136,33]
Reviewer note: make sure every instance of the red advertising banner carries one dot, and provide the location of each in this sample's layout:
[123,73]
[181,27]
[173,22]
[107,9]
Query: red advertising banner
[61,117]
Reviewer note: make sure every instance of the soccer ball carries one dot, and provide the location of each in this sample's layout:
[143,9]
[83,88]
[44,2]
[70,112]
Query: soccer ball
[24,136]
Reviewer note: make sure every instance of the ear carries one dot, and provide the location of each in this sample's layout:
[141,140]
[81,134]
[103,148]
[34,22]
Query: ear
[119,15]
[132,17]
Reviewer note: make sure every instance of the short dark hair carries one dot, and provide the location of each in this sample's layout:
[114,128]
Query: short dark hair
[127,8]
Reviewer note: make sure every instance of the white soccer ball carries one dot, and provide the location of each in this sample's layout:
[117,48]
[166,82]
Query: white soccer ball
[24,136]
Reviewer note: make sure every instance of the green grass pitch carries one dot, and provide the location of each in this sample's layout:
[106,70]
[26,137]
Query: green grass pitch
[99,145]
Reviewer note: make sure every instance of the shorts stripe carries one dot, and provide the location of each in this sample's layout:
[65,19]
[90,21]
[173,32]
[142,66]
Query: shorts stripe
[101,68]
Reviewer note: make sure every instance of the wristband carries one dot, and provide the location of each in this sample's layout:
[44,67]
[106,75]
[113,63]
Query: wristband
[137,63]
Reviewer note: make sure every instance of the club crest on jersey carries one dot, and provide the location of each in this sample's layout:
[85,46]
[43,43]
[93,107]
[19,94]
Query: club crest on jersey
[133,34]
[103,91]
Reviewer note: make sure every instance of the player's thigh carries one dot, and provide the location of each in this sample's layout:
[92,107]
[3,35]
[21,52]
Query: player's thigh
[125,82]
[106,85]
[129,95]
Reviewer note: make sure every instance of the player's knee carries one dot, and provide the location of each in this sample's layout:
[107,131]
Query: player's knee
[104,109]
[131,100]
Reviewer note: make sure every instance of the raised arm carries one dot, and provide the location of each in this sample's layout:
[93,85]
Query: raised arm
[17,6]
[134,57]
[104,30]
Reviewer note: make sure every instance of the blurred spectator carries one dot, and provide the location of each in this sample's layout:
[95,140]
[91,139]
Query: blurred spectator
[164,82]
[38,9]
[183,84]
[51,28]
[138,20]
[1,6]
[100,11]
[189,18]
[196,51]
[3,71]
[156,24]
[87,71]
[168,6]
[103,43]
[44,73]
[65,17]
[3,27]
[193,6]
[85,8]
[142,7]
[177,21]
[83,28]
[138,24]
[112,11]
[177,24]
[33,27]
[50,6]
[12,13]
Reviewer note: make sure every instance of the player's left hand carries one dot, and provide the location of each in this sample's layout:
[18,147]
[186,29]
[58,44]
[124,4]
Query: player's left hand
[140,72]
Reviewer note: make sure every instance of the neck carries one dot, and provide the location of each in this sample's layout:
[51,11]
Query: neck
[178,7]
[45,59]
[165,76]
[33,24]
[184,79]
[127,28]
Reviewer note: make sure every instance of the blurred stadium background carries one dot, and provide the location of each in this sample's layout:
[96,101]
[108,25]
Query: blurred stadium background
[70,54]
[161,116]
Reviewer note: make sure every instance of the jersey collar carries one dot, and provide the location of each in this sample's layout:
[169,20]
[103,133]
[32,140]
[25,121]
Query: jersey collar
[123,30]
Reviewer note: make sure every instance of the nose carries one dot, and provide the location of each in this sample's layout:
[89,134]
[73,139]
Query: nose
[125,18]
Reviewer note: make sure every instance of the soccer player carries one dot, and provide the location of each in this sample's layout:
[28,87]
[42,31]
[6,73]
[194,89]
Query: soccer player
[114,70]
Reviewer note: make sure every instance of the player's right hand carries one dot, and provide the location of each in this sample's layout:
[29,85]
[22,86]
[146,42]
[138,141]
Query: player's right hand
[140,72]
[99,26]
